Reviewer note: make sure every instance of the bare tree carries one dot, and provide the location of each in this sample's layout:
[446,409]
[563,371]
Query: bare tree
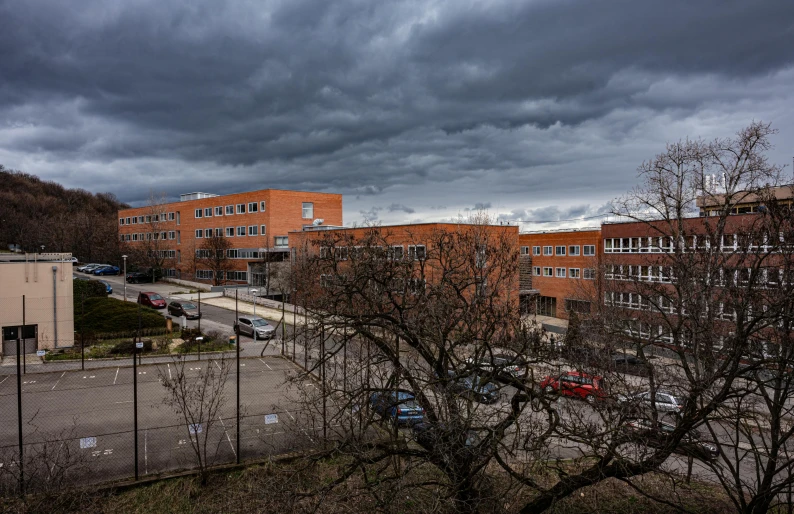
[154,251]
[197,396]
[213,254]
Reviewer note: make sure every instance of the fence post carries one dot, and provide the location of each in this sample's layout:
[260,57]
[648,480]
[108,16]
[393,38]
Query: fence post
[19,413]
[24,362]
[322,374]
[82,331]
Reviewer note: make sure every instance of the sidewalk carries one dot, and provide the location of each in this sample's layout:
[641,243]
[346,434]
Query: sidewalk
[248,308]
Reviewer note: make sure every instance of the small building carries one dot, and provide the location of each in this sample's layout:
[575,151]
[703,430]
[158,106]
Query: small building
[564,267]
[36,305]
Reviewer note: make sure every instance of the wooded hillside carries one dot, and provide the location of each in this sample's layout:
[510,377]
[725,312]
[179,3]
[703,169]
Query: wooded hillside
[34,212]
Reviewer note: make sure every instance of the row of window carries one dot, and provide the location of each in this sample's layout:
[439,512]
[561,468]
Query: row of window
[397,285]
[241,231]
[148,236]
[666,244]
[134,220]
[395,252]
[206,274]
[234,253]
[587,273]
[230,210]
[562,250]
[737,277]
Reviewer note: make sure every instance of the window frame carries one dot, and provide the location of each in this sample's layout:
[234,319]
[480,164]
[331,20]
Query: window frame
[574,273]
[536,251]
[240,209]
[303,210]
[241,231]
[255,206]
[254,229]
[574,250]
[590,247]
[560,251]
[560,273]
[198,213]
[548,271]
[548,251]
[229,231]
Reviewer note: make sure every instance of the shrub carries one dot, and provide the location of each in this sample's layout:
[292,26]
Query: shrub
[87,289]
[111,315]
[127,347]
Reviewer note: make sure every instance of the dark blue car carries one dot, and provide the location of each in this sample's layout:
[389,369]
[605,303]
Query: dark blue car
[108,287]
[107,270]
[399,406]
[473,388]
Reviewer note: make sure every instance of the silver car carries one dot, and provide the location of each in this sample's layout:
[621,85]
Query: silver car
[249,325]
[665,402]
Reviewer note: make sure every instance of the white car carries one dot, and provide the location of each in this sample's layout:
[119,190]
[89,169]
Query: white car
[249,324]
[85,267]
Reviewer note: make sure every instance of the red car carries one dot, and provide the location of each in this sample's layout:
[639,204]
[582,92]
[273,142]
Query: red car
[153,300]
[576,383]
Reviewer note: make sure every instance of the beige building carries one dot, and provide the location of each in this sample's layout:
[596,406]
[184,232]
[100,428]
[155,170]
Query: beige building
[36,301]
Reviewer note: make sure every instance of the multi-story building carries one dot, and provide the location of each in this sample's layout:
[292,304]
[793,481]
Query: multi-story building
[564,268]
[36,305]
[256,225]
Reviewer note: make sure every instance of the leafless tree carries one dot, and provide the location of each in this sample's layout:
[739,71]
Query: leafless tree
[213,254]
[197,396]
[154,251]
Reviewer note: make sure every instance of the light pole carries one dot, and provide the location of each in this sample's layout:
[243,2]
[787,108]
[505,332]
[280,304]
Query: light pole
[125,276]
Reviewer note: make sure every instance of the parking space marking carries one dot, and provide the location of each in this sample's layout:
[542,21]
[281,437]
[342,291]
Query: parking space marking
[145,452]
[29,382]
[117,375]
[219,366]
[227,435]
[89,376]
[56,382]
[266,364]
[169,372]
[6,378]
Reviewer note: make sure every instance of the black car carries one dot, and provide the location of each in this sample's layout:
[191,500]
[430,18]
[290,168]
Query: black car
[501,364]
[642,430]
[136,277]
[186,309]
[473,387]
[626,363]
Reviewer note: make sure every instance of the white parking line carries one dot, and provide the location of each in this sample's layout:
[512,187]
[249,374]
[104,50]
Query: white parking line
[169,372]
[227,435]
[219,366]
[6,378]
[145,452]
[56,382]
[117,375]
[266,364]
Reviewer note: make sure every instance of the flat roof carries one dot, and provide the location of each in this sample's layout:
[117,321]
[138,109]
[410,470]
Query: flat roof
[405,225]
[37,257]
[561,230]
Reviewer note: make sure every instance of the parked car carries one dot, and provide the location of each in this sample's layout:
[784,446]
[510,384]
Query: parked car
[665,401]
[108,287]
[473,387]
[398,406]
[151,299]
[248,325]
[107,270]
[186,309]
[91,267]
[84,266]
[644,431]
[626,363]
[433,436]
[513,365]
[75,277]
[577,384]
[135,277]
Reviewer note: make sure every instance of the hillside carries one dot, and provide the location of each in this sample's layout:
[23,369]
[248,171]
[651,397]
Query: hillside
[34,212]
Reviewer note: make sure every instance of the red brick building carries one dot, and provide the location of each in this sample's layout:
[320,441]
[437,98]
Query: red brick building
[564,268]
[254,222]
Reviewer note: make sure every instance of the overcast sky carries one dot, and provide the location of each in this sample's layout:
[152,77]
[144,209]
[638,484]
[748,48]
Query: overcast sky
[413,110]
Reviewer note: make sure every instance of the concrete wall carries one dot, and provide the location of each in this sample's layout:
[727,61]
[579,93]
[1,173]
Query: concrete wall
[34,280]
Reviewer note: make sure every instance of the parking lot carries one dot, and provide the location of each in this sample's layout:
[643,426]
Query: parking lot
[93,412]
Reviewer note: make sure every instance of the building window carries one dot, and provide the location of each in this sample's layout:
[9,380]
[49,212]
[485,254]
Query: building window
[208,212]
[229,231]
[171,216]
[524,250]
[397,253]
[178,237]
[536,271]
[240,231]
[263,230]
[253,230]
[548,272]
[536,250]
[199,234]
[218,232]
[560,272]
[573,250]
[573,272]
[148,219]
[589,274]
[307,210]
[580,306]
[559,250]
[262,206]
[204,274]
[240,208]
[229,210]
[127,221]
[199,213]
[163,235]
[417,252]
[218,211]
[588,250]
[178,218]
[548,250]
[207,232]
[121,221]
[281,241]
[253,207]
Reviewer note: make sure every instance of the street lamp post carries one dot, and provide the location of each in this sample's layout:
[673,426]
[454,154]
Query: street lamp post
[254,291]
[125,276]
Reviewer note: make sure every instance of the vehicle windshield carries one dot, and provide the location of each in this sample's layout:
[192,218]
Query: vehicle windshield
[188,306]
[155,297]
[259,322]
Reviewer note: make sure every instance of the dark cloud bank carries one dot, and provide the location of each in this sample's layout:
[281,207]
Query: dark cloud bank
[533,110]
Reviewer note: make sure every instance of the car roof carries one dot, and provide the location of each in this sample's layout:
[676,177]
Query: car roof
[582,374]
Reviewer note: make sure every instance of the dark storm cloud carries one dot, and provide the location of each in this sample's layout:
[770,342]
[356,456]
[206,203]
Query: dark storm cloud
[465,98]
